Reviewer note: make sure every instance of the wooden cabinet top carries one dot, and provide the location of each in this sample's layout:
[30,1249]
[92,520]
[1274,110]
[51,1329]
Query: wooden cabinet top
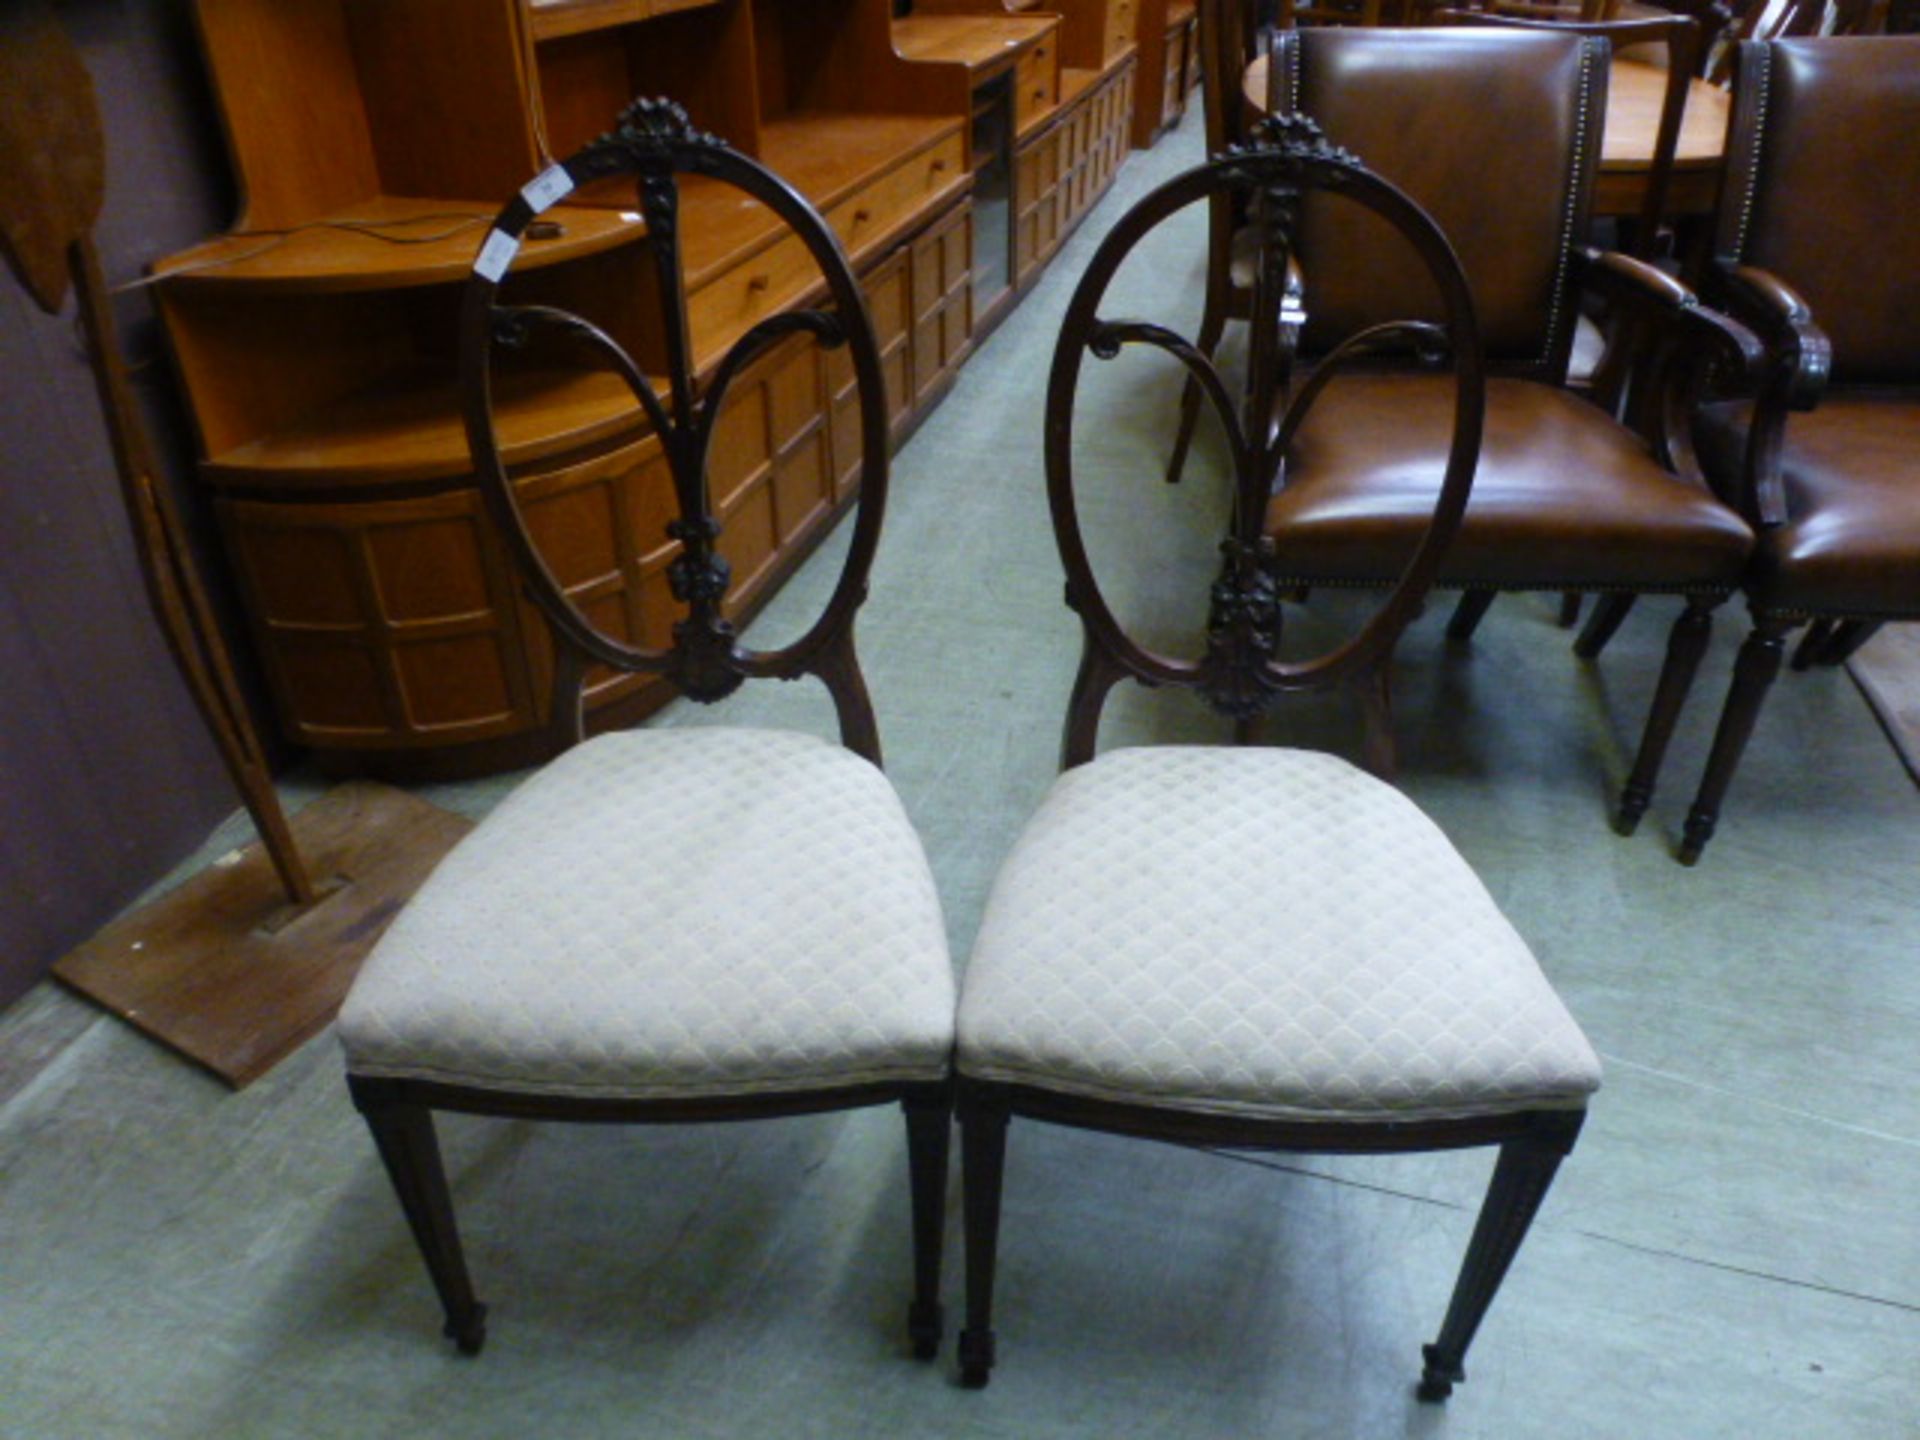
[983,43]
[385,243]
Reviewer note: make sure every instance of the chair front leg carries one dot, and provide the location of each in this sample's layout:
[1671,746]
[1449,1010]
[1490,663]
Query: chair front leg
[1685,645]
[929,1113]
[1753,676]
[983,1112]
[403,1133]
[1520,1179]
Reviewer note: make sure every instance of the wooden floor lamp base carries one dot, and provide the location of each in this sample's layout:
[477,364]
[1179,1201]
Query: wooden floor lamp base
[224,970]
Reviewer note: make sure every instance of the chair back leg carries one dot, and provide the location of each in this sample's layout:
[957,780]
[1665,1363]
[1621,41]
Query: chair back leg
[1520,1179]
[1467,615]
[1608,612]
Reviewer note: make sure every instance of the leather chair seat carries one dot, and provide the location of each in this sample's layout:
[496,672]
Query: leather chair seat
[1137,949]
[577,944]
[1850,470]
[1564,497]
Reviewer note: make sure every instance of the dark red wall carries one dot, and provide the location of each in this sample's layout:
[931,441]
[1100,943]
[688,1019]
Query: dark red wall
[106,775]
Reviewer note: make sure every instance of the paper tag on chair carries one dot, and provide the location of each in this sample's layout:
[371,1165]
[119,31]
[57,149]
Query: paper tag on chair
[547,188]
[496,255]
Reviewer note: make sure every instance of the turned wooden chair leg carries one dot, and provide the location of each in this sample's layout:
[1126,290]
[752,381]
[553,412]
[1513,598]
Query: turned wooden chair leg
[1608,612]
[1685,645]
[1520,1180]
[1467,615]
[929,1131]
[403,1133]
[983,1154]
[1753,676]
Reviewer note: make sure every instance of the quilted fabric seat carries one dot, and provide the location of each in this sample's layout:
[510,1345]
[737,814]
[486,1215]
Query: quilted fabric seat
[666,913]
[1263,933]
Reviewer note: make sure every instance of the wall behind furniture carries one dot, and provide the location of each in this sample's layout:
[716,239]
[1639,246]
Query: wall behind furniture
[107,777]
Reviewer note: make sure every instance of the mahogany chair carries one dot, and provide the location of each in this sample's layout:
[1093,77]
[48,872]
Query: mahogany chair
[1800,19]
[1819,230]
[676,925]
[1679,39]
[1253,947]
[1569,497]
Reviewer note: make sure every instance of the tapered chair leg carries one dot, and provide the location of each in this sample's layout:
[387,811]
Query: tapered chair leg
[1569,609]
[1608,612]
[1685,645]
[1468,614]
[1099,672]
[1520,1180]
[1753,676]
[1379,753]
[983,1153]
[929,1131]
[403,1133]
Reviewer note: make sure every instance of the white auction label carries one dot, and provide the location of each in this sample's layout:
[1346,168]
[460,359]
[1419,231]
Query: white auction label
[496,255]
[550,185]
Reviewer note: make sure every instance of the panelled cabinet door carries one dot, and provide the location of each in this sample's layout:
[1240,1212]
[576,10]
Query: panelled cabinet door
[889,293]
[942,300]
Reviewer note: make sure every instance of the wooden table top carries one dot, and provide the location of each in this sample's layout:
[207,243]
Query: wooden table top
[1634,94]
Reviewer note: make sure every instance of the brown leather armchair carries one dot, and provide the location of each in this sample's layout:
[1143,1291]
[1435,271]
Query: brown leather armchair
[1819,249]
[1497,133]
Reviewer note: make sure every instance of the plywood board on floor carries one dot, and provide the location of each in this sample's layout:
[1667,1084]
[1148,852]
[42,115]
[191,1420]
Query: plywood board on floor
[1887,669]
[227,972]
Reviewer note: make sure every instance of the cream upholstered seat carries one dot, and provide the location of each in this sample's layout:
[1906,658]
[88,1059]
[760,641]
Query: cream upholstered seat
[685,924]
[1251,948]
[1263,933]
[669,913]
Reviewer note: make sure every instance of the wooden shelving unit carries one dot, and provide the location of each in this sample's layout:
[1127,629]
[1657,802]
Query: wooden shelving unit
[1051,85]
[1169,34]
[374,139]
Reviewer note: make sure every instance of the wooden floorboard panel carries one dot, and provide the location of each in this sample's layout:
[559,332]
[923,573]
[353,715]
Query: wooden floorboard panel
[225,971]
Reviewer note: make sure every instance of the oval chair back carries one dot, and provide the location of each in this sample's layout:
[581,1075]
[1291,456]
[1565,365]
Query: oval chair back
[1287,162]
[656,145]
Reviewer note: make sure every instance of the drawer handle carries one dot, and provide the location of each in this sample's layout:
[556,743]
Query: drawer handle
[940,167]
[862,215]
[758,282]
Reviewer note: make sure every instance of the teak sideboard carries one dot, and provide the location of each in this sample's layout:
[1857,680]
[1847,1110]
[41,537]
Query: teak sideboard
[374,139]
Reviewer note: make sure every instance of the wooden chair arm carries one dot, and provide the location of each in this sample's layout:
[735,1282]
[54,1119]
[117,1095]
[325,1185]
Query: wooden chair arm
[1651,294]
[1664,349]
[1800,355]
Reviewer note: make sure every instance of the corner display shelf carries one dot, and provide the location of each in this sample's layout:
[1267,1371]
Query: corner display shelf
[374,140]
